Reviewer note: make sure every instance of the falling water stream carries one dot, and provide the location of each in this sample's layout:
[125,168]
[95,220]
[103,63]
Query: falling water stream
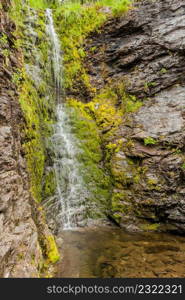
[102,251]
[71,190]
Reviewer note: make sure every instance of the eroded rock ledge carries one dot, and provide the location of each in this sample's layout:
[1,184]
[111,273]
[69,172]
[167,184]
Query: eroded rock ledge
[146,51]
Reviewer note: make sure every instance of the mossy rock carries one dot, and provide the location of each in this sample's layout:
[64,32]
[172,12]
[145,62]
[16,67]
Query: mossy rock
[52,253]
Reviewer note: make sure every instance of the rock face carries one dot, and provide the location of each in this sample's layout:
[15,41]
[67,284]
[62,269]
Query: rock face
[21,226]
[146,51]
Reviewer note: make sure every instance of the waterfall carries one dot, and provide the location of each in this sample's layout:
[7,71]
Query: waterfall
[56,59]
[71,190]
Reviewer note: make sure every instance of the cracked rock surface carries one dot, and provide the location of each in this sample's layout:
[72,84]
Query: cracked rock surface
[146,51]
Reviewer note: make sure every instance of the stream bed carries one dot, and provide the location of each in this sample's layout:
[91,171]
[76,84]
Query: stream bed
[113,253]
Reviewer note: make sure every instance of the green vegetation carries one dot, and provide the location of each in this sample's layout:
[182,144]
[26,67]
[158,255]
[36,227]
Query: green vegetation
[96,126]
[150,227]
[38,4]
[96,123]
[149,141]
[37,127]
[3,40]
[107,114]
[38,109]
[74,23]
[163,71]
[52,253]
[183,166]
[49,185]
[33,145]
[34,84]
[120,204]
[130,103]
[4,48]
[90,156]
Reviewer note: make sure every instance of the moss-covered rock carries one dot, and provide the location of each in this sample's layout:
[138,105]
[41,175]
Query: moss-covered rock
[75,22]
[34,83]
[52,253]
[96,178]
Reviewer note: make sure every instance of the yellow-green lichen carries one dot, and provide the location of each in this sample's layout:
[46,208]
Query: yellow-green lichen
[150,227]
[52,253]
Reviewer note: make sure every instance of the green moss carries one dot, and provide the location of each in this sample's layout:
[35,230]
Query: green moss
[153,184]
[163,71]
[130,103]
[49,186]
[96,179]
[52,253]
[149,141]
[117,217]
[183,166]
[75,22]
[177,151]
[96,124]
[3,40]
[37,104]
[149,85]
[36,100]
[107,115]
[150,227]
[120,203]
[111,149]
[38,4]
[33,146]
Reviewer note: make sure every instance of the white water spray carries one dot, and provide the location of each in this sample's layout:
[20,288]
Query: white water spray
[71,191]
[56,52]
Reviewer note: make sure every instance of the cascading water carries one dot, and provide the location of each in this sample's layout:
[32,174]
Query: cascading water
[71,191]
[56,54]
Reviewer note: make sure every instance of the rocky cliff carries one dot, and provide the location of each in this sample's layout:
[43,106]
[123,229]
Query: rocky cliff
[128,80]
[144,51]
[26,244]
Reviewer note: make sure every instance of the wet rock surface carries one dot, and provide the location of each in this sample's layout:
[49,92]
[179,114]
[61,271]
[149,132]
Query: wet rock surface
[21,225]
[145,50]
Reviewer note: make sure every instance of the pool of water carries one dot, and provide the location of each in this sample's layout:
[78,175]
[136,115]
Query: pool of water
[109,252]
